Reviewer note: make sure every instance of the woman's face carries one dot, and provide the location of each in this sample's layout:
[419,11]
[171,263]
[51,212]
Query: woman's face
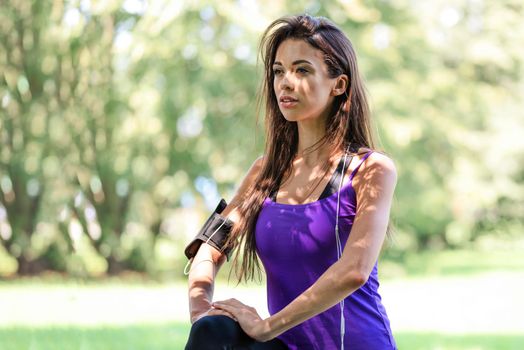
[300,73]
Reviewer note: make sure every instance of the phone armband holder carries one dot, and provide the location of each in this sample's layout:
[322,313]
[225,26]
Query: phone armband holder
[215,232]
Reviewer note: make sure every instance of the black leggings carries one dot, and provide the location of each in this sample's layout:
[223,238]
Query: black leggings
[220,332]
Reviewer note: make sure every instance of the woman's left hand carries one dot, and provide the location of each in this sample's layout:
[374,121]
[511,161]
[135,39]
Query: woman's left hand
[247,317]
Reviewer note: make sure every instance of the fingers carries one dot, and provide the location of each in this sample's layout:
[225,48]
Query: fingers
[224,307]
[231,303]
[234,307]
[214,312]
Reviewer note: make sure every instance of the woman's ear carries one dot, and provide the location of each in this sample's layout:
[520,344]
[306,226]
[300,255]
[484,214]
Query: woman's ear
[340,85]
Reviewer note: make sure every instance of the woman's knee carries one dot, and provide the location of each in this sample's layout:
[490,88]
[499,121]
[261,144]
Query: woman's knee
[214,332]
[209,325]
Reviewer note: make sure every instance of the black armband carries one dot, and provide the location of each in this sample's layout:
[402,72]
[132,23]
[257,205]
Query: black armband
[215,232]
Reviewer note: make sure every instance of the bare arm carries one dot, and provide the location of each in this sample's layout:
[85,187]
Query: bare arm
[374,195]
[208,260]
[205,266]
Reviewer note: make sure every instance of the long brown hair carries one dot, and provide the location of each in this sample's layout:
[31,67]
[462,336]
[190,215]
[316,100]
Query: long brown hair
[348,122]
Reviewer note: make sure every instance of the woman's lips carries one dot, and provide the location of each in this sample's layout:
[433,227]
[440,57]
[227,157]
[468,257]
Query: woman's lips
[288,104]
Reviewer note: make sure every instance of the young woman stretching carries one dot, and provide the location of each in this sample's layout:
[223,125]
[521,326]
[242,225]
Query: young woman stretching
[314,208]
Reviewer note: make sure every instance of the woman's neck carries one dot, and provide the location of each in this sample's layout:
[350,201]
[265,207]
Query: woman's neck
[312,155]
[310,132]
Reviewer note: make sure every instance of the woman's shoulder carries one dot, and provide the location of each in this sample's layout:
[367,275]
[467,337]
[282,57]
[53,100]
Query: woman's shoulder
[242,189]
[378,166]
[258,162]
[254,170]
[375,156]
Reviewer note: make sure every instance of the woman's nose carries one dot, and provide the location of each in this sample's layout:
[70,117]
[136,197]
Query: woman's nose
[286,85]
[286,82]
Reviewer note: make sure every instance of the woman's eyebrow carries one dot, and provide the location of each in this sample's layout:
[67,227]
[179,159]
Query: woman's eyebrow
[294,62]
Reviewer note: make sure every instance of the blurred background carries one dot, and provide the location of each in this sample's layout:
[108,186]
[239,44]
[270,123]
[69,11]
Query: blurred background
[123,122]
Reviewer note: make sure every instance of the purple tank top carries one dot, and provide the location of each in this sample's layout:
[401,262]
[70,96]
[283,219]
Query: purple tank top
[296,244]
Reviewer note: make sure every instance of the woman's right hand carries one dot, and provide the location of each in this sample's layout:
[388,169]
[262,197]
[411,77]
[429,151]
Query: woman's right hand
[211,312]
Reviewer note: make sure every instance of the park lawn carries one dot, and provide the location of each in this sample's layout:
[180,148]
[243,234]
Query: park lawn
[172,335]
[48,313]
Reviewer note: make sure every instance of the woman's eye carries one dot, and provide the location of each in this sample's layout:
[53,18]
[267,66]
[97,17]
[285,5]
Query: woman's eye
[300,70]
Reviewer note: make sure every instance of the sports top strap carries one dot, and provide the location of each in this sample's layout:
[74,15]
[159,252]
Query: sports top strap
[354,172]
[332,185]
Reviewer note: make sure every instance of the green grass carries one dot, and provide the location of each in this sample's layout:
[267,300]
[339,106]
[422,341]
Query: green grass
[174,335]
[135,312]
[460,262]
[434,341]
[148,336]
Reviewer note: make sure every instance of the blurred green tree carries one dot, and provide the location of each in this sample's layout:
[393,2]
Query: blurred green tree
[27,164]
[119,117]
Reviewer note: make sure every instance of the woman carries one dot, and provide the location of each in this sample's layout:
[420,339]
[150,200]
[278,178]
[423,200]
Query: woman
[314,208]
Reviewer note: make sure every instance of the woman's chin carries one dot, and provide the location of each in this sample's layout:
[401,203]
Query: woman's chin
[289,118]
